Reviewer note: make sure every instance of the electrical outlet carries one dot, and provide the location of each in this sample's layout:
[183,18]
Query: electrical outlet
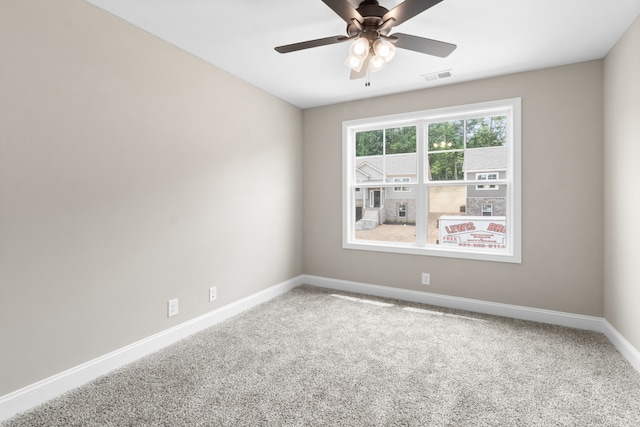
[426,279]
[172,307]
[213,293]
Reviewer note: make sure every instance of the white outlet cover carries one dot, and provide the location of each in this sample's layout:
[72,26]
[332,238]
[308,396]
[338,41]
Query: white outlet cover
[426,278]
[172,307]
[213,293]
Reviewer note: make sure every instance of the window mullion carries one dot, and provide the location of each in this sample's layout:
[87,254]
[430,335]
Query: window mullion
[421,195]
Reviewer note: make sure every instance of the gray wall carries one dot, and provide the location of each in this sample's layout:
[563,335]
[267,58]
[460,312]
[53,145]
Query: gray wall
[622,175]
[130,173]
[562,190]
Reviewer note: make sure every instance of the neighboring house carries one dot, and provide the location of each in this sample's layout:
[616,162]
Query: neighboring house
[486,164]
[396,204]
[387,204]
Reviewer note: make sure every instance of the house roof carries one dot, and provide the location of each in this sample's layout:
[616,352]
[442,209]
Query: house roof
[476,160]
[394,164]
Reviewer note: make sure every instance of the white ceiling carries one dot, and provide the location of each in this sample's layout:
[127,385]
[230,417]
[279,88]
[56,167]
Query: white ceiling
[494,37]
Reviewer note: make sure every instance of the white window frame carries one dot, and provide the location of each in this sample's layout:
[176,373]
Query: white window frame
[512,181]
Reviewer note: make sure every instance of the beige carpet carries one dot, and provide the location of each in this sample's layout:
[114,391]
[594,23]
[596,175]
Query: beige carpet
[315,358]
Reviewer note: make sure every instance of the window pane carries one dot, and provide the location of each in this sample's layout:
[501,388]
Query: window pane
[446,135]
[458,221]
[383,155]
[487,132]
[400,140]
[445,166]
[443,201]
[379,217]
[369,143]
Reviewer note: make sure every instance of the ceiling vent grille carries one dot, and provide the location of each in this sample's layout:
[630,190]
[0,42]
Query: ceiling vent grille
[438,75]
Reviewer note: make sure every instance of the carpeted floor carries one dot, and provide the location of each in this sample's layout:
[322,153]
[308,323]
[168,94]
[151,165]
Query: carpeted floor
[316,358]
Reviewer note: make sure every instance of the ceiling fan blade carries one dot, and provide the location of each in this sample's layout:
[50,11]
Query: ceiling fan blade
[408,9]
[422,45]
[311,43]
[345,10]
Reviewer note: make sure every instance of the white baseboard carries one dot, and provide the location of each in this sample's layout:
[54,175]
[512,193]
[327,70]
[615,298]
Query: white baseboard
[35,394]
[624,347]
[42,391]
[478,306]
[577,321]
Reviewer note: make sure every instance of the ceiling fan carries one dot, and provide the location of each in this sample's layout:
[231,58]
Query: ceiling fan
[369,26]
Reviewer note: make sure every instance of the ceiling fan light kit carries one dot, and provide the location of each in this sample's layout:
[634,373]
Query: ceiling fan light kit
[354,63]
[378,52]
[376,63]
[384,49]
[369,26]
[360,48]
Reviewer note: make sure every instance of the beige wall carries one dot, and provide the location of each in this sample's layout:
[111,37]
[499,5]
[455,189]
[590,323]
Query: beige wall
[130,173]
[622,175]
[562,193]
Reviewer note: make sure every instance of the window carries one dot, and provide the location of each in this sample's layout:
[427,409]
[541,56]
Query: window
[444,159]
[486,177]
[401,189]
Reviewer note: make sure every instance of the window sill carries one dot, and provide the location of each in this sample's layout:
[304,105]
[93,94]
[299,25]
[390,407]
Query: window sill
[433,250]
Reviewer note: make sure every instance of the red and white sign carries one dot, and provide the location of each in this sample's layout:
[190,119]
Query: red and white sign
[481,232]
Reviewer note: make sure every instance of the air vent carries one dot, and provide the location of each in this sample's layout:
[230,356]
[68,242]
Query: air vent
[438,75]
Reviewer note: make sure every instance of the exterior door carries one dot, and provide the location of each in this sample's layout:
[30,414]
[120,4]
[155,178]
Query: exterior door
[375,197]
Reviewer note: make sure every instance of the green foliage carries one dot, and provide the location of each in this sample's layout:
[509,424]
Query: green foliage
[447,166]
[369,143]
[446,135]
[447,143]
[401,140]
[395,140]
[487,132]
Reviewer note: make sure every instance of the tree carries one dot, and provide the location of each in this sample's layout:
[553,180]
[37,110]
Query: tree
[446,145]
[400,140]
[395,141]
[447,132]
[369,143]
[487,132]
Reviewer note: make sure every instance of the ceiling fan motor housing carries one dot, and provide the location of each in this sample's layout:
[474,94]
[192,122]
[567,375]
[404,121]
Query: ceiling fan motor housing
[372,9]
[372,13]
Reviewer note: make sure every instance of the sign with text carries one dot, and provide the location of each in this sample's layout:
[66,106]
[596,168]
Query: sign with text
[481,232]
